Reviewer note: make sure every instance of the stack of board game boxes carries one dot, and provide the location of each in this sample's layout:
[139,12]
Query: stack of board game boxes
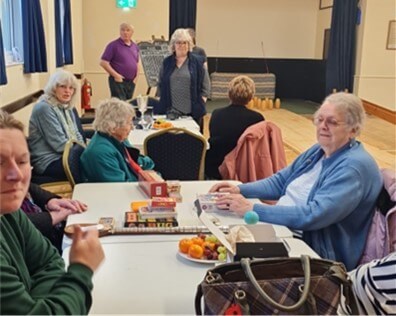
[159,212]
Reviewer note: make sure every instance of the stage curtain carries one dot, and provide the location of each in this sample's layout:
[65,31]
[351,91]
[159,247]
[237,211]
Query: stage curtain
[182,14]
[3,74]
[34,48]
[64,45]
[340,64]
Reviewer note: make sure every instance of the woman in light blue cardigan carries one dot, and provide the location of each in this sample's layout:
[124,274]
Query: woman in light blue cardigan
[52,124]
[328,192]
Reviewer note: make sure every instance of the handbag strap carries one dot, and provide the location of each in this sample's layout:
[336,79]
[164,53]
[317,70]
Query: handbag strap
[245,262]
[197,302]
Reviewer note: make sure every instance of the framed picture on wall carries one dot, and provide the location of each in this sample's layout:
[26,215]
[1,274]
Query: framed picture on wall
[325,4]
[391,38]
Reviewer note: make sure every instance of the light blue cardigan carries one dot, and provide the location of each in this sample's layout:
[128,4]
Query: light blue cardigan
[336,219]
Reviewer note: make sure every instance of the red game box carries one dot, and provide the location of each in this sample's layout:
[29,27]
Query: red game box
[152,184]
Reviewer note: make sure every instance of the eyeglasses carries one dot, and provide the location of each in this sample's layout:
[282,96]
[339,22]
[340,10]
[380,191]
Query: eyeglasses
[329,122]
[181,43]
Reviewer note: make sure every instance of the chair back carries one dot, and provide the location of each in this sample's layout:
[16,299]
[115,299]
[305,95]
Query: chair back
[71,161]
[381,238]
[178,154]
[258,154]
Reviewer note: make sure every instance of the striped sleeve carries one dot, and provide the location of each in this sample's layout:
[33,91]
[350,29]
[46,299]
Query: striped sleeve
[374,284]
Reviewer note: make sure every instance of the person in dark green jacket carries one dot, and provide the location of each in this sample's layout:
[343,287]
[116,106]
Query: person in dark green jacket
[108,155]
[33,279]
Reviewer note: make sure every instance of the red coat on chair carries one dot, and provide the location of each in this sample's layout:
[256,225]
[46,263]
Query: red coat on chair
[258,154]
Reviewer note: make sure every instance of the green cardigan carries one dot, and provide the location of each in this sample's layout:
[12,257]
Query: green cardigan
[32,273]
[104,161]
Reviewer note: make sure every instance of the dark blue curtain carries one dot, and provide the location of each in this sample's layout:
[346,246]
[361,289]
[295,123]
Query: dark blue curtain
[64,45]
[340,65]
[3,74]
[34,49]
[182,13]
[67,34]
[58,35]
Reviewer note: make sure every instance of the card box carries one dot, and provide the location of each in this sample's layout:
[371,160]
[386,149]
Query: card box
[208,201]
[133,219]
[163,202]
[146,212]
[152,184]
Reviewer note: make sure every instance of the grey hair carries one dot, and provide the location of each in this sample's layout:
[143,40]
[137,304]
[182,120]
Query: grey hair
[7,121]
[112,113]
[127,25]
[62,77]
[351,107]
[180,35]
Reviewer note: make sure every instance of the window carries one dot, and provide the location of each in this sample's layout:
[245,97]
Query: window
[11,19]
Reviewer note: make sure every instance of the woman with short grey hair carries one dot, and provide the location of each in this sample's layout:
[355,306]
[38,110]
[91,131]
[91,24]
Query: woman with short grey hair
[111,114]
[352,108]
[328,192]
[52,124]
[109,156]
[180,35]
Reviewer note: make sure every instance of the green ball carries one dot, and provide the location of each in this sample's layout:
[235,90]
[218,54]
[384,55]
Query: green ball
[251,218]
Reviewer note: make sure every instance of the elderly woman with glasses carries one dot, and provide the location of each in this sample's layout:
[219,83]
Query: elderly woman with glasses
[52,124]
[109,157]
[183,84]
[328,192]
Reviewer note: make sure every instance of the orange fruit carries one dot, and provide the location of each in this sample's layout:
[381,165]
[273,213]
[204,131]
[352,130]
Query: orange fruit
[210,245]
[195,251]
[184,245]
[197,241]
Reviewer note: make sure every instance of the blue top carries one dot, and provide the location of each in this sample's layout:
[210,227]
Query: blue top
[47,134]
[336,219]
[104,160]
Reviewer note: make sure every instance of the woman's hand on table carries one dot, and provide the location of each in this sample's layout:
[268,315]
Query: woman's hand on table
[225,187]
[236,203]
[57,205]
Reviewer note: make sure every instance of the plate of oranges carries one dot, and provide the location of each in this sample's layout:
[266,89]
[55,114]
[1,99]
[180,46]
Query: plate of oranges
[161,124]
[202,249]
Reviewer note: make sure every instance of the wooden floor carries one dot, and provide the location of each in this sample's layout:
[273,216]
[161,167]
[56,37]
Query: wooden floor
[298,132]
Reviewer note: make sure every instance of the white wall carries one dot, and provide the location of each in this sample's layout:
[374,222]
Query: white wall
[234,28]
[375,78]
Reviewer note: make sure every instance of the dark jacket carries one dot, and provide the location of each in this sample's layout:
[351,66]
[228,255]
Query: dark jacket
[225,127]
[197,73]
[43,221]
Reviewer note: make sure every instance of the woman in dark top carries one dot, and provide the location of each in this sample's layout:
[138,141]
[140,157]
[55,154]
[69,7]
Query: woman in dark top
[228,124]
[183,83]
[48,212]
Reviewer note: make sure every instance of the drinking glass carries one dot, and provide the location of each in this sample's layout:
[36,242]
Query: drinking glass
[146,122]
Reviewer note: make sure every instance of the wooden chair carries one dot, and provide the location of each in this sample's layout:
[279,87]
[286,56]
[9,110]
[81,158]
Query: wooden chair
[178,154]
[71,161]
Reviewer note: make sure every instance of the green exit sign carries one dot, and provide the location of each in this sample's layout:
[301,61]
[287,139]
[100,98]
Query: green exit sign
[126,3]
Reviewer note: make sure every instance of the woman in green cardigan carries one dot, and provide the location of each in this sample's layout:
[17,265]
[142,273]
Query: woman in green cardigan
[109,157]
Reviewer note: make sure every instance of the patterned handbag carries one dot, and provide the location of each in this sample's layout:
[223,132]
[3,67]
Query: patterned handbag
[277,286]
